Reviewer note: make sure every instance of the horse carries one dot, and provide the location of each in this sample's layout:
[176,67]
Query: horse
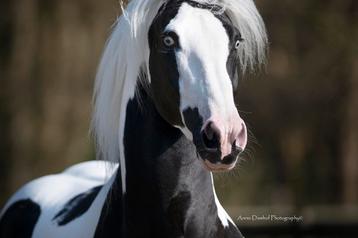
[164,120]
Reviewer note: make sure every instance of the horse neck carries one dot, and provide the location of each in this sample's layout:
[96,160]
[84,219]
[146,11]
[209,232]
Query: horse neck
[161,164]
[167,189]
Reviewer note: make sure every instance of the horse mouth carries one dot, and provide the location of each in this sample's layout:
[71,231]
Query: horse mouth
[219,166]
[212,160]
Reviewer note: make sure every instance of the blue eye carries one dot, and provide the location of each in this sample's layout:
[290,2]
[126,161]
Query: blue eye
[237,44]
[168,41]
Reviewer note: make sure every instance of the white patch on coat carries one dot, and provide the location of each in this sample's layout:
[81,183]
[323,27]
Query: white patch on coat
[223,216]
[52,192]
[204,82]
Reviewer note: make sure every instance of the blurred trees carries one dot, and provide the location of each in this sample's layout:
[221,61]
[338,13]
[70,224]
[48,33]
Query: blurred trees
[49,54]
[350,140]
[303,111]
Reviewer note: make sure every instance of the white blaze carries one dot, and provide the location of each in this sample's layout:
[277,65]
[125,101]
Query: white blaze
[204,82]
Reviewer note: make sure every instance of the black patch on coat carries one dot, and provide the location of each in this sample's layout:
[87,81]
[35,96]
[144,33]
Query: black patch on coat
[76,207]
[194,122]
[19,219]
[147,137]
[163,66]
[110,222]
[177,211]
[232,66]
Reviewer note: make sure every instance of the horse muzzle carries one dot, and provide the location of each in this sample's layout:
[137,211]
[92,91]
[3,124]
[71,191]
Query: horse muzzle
[221,142]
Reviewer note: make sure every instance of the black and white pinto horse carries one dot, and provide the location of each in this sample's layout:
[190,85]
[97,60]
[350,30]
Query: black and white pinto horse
[164,119]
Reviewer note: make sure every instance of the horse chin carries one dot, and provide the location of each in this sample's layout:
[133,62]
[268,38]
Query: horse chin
[217,167]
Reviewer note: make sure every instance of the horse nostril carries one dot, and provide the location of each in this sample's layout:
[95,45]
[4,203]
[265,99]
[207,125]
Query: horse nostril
[236,149]
[210,137]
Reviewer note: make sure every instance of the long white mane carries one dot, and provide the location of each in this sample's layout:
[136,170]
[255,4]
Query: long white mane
[127,53]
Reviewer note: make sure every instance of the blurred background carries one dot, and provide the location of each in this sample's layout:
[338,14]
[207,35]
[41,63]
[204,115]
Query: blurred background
[302,111]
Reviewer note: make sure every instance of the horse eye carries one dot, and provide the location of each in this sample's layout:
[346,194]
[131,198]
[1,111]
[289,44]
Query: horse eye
[168,41]
[237,44]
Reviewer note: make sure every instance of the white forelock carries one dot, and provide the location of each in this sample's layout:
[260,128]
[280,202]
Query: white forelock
[127,52]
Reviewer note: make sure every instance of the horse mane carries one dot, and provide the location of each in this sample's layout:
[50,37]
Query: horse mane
[126,54]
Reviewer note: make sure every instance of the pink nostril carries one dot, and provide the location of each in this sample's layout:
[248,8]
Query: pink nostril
[216,137]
